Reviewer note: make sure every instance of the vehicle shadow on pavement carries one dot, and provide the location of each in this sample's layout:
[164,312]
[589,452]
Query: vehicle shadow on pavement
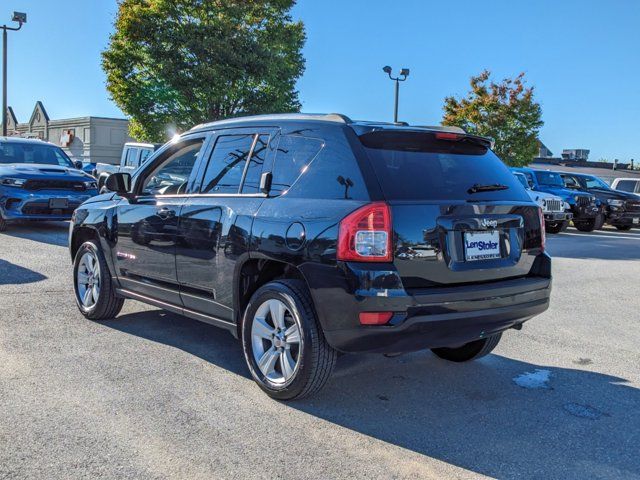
[11,274]
[53,233]
[578,424]
[498,416]
[207,342]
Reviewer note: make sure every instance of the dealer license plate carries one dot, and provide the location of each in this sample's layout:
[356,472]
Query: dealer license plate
[482,245]
[58,203]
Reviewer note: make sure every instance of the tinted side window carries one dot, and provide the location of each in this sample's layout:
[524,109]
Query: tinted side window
[226,164]
[170,177]
[254,167]
[131,159]
[293,155]
[626,185]
[144,154]
[333,174]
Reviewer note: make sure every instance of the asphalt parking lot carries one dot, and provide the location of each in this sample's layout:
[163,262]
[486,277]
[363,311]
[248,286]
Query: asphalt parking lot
[154,395]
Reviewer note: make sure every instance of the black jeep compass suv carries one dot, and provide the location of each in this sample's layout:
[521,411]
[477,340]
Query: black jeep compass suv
[309,235]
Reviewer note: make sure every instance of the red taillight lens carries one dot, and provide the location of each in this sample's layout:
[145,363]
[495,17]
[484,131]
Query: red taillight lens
[543,233]
[365,235]
[375,318]
[448,136]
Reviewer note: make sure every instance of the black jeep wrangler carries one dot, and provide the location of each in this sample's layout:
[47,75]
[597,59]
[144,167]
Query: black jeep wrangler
[309,235]
[620,209]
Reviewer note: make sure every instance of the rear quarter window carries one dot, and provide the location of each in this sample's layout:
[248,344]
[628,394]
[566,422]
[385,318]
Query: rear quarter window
[314,168]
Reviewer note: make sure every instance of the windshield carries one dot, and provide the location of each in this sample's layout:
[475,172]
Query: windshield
[419,166]
[595,182]
[549,179]
[14,152]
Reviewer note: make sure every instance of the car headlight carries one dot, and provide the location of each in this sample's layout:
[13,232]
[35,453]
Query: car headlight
[90,185]
[613,202]
[576,198]
[13,182]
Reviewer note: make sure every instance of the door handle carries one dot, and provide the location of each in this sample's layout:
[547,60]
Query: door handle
[165,213]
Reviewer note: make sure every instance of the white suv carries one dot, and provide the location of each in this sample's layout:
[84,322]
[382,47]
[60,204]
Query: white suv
[631,185]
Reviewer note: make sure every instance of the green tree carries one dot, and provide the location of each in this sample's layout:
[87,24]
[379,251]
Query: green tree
[172,64]
[505,111]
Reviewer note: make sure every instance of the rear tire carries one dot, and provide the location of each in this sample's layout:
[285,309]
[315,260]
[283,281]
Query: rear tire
[94,290]
[623,228]
[469,351]
[277,308]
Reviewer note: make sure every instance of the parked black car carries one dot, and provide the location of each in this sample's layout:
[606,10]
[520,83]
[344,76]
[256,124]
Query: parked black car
[305,235]
[621,209]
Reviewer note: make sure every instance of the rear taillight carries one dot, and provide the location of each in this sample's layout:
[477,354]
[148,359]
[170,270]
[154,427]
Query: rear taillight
[365,235]
[543,234]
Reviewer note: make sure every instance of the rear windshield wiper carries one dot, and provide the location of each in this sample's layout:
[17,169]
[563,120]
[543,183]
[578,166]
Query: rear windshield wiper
[487,188]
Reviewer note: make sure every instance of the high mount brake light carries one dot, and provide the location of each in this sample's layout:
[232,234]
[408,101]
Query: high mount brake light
[448,136]
[365,235]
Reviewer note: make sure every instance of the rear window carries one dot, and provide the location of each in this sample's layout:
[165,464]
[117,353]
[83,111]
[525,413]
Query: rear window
[417,166]
[626,185]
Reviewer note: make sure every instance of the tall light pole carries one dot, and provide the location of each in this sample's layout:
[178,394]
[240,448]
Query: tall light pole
[20,18]
[404,73]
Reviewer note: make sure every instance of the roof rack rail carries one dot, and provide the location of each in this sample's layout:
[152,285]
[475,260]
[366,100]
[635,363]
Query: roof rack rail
[323,117]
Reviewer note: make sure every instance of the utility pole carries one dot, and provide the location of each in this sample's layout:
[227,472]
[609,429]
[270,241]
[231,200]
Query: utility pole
[21,18]
[404,73]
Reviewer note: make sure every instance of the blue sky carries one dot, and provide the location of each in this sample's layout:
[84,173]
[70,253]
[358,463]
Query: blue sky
[582,57]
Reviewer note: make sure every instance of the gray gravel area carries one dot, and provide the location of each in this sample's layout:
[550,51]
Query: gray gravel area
[152,395]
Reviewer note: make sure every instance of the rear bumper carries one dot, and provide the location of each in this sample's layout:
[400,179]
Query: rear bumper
[429,317]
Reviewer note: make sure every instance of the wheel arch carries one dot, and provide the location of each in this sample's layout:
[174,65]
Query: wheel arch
[253,273]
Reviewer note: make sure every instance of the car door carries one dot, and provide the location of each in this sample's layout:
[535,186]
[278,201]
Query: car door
[146,225]
[215,222]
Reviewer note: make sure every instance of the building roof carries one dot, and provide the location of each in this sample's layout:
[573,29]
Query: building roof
[22,140]
[598,172]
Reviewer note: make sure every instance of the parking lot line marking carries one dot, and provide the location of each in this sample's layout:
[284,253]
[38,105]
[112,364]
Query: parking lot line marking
[590,235]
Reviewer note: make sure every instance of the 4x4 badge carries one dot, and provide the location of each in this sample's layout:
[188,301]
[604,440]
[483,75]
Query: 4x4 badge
[488,223]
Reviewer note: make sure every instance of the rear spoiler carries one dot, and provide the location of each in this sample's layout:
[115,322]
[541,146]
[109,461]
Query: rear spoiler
[453,134]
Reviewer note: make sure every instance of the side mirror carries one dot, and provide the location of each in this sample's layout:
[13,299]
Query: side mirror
[265,182]
[78,164]
[119,183]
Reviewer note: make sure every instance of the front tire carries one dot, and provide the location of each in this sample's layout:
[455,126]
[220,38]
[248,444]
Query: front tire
[283,342]
[556,227]
[585,225]
[3,224]
[469,351]
[94,290]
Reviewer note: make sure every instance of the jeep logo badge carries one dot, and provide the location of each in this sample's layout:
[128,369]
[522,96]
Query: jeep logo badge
[488,223]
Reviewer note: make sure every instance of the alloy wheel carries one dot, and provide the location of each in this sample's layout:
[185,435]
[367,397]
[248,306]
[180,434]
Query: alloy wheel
[88,280]
[276,341]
